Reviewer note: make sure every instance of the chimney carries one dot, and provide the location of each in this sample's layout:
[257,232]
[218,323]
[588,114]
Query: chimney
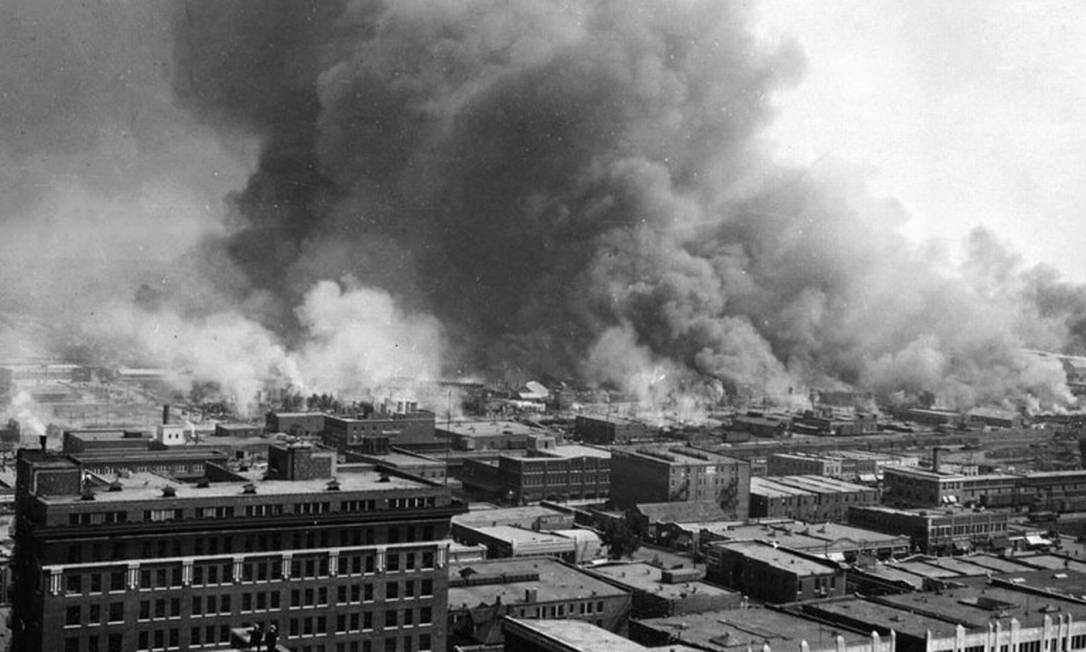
[42,441]
[165,414]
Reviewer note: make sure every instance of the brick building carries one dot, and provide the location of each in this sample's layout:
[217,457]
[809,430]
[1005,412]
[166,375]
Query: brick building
[807,497]
[354,563]
[610,429]
[679,474]
[767,572]
[935,531]
[482,593]
[298,424]
[659,592]
[554,473]
[376,432]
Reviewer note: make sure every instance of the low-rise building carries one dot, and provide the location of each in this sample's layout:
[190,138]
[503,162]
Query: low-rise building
[935,531]
[96,439]
[659,592]
[831,540]
[482,593]
[503,541]
[532,635]
[416,464]
[838,464]
[755,628]
[767,572]
[530,517]
[807,497]
[491,435]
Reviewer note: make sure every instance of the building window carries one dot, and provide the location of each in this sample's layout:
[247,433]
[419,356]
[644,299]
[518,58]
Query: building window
[72,616]
[116,612]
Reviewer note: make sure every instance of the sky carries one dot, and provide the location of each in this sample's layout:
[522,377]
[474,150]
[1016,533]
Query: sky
[970,113]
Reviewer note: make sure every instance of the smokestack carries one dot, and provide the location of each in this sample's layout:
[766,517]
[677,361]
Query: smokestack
[935,464]
[165,414]
[42,441]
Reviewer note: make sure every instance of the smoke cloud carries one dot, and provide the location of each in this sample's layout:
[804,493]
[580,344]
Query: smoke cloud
[513,189]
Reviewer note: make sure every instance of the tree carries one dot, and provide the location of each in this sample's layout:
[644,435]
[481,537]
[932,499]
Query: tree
[621,539]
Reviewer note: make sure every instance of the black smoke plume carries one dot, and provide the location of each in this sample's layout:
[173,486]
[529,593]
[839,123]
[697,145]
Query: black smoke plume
[512,189]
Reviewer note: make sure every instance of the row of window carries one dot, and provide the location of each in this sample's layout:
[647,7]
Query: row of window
[215,573]
[229,511]
[261,542]
[170,608]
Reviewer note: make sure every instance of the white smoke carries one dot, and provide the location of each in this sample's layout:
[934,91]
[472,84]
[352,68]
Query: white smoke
[356,340]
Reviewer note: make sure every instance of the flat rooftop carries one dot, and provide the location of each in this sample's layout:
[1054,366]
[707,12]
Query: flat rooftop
[148,486]
[650,579]
[680,455]
[878,615]
[488,428]
[528,513]
[819,484]
[777,557]
[521,536]
[579,635]
[978,603]
[557,582]
[1064,582]
[742,629]
[395,458]
[803,535]
[770,489]
[577,450]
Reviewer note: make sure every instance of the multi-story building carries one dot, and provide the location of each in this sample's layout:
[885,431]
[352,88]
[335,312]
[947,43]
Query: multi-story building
[353,563]
[803,464]
[924,488]
[553,473]
[492,435]
[935,531]
[610,429]
[677,474]
[376,432]
[839,464]
[807,497]
[298,424]
[181,463]
[767,572]
[481,593]
[1045,490]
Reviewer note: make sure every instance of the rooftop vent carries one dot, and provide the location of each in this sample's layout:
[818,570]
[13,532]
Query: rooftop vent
[168,491]
[333,485]
[116,486]
[203,483]
[248,488]
[383,477]
[87,494]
